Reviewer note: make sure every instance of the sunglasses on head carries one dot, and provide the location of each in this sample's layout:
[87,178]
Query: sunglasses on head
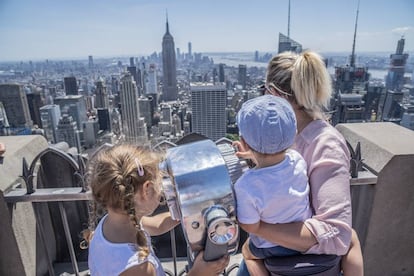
[273,89]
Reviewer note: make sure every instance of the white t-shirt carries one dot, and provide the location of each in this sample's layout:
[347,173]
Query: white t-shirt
[275,194]
[107,258]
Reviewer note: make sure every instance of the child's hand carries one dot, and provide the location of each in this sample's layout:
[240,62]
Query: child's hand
[242,151]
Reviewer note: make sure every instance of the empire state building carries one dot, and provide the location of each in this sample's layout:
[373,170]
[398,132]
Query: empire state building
[169,80]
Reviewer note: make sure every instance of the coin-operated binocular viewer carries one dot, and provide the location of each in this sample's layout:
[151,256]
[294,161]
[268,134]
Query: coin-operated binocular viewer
[198,187]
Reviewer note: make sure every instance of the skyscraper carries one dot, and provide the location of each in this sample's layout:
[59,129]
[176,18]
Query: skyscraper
[34,101]
[146,110]
[71,86]
[101,95]
[50,115]
[151,80]
[130,110]
[243,75]
[395,77]
[75,106]
[90,62]
[190,54]
[288,44]
[68,132]
[208,103]
[221,72]
[169,81]
[16,106]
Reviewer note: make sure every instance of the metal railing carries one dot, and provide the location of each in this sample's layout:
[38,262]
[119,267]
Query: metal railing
[60,195]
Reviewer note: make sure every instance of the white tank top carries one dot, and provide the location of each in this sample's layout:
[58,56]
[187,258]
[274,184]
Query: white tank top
[107,258]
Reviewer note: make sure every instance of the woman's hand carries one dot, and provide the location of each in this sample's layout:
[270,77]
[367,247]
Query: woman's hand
[203,268]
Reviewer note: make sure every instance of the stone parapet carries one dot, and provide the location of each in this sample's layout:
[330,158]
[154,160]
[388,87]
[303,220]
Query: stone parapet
[22,225]
[383,212]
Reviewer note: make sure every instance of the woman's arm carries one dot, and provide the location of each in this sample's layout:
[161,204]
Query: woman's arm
[328,171]
[159,224]
[329,229]
[293,235]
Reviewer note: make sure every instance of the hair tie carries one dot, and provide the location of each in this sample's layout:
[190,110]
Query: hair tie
[140,168]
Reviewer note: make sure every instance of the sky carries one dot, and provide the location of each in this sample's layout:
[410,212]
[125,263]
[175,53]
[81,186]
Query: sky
[53,29]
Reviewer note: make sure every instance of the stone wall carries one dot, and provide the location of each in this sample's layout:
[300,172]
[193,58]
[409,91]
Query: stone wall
[383,214]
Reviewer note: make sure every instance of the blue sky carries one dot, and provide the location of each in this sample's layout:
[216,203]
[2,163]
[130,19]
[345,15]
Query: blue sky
[41,29]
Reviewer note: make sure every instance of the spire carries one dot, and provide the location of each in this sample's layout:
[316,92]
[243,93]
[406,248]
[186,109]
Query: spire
[288,31]
[166,15]
[352,63]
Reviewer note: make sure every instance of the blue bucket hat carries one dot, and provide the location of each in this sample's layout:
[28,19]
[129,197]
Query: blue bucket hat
[267,124]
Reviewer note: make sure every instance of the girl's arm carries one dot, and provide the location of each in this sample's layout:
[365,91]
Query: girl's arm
[159,224]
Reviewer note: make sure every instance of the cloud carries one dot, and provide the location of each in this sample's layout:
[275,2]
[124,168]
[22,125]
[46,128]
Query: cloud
[403,30]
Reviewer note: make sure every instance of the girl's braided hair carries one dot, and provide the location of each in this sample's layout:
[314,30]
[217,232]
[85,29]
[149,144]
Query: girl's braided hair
[115,174]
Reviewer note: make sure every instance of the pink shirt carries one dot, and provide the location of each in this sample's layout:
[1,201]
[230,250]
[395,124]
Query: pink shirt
[327,157]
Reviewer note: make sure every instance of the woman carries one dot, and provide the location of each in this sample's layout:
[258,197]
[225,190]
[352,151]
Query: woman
[303,80]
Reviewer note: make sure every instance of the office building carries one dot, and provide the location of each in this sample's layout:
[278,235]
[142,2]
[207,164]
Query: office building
[407,119]
[176,125]
[104,120]
[71,86]
[395,76]
[392,111]
[101,95]
[67,131]
[166,113]
[75,106]
[169,80]
[151,86]
[190,54]
[288,44]
[130,114]
[351,109]
[133,71]
[242,79]
[50,115]
[90,62]
[208,103]
[116,122]
[34,101]
[221,73]
[90,132]
[145,109]
[4,122]
[15,104]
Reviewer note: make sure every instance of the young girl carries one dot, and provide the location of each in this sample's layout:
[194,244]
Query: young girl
[126,181]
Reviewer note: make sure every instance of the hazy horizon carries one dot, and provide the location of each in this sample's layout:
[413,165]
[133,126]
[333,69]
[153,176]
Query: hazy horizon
[50,29]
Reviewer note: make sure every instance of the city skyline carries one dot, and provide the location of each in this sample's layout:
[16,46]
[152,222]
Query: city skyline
[46,29]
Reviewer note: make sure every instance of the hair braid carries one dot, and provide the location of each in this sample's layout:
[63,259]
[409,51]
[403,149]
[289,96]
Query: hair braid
[129,206]
[116,175]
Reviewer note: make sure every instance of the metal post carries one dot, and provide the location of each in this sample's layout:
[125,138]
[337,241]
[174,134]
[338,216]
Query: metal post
[174,250]
[68,238]
[43,239]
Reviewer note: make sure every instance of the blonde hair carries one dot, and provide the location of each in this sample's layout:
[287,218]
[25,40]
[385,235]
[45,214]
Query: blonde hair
[305,77]
[116,175]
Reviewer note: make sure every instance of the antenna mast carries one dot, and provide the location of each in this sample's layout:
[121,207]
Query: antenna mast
[353,44]
[288,32]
